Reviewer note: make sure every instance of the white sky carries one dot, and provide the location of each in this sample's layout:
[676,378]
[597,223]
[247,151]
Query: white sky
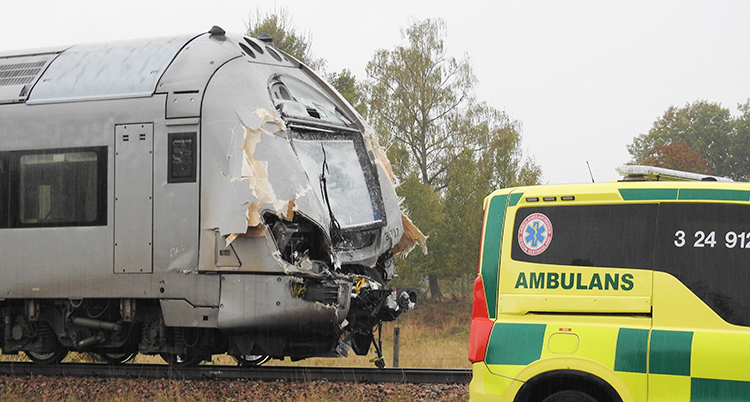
[583,77]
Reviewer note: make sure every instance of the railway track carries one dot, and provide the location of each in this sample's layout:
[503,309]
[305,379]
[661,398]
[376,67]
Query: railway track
[269,373]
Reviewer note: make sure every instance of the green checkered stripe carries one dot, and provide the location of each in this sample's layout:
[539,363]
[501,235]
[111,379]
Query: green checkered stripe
[515,344]
[670,354]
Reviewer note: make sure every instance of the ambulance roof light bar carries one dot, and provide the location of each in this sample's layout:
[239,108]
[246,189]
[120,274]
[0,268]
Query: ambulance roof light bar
[641,172]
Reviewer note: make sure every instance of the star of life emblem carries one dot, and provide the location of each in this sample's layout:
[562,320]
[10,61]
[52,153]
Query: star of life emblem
[535,234]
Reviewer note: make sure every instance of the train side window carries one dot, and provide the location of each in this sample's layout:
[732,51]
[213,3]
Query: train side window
[60,188]
[182,158]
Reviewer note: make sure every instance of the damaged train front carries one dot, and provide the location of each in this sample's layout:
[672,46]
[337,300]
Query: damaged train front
[321,225]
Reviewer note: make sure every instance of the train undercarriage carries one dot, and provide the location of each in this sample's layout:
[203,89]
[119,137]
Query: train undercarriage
[116,330]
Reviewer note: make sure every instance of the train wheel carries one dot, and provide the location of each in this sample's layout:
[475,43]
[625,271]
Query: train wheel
[117,358]
[250,360]
[181,360]
[49,357]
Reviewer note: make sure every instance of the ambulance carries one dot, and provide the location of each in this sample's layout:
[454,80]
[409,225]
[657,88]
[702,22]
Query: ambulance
[631,290]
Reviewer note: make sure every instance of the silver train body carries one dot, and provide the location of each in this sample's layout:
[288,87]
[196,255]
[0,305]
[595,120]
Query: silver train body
[189,196]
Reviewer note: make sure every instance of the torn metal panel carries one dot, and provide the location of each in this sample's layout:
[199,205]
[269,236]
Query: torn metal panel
[225,198]
[263,176]
[271,172]
[228,192]
[256,172]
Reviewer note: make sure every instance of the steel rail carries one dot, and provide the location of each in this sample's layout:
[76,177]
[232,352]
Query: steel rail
[267,373]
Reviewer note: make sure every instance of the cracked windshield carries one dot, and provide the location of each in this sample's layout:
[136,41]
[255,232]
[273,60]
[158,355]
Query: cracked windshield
[345,181]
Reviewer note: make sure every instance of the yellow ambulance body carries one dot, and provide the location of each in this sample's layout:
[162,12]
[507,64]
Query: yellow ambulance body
[620,291]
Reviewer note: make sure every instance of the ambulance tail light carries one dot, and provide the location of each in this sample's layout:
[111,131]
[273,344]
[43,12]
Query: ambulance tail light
[481,325]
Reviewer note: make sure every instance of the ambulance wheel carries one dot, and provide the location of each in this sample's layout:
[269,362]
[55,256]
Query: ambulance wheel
[570,396]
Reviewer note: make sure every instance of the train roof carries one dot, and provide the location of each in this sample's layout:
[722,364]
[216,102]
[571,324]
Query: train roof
[120,69]
[88,71]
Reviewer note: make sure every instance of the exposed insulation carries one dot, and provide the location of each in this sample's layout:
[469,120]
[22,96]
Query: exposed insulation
[256,172]
[411,237]
[371,141]
[255,232]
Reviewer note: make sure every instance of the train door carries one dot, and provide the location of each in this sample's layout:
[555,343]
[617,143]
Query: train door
[133,198]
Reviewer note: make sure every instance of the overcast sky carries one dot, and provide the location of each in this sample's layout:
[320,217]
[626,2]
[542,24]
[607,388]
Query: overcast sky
[583,77]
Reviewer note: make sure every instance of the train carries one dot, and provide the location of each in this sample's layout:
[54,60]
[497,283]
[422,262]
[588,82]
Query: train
[189,196]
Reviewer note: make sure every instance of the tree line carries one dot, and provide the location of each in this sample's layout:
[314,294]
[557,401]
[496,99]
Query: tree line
[701,137]
[448,149]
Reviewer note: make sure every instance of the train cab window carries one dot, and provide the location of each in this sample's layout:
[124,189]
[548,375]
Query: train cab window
[182,160]
[60,188]
[297,99]
[339,160]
